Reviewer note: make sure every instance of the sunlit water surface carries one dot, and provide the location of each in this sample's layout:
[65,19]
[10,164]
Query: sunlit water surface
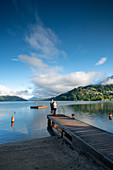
[32,123]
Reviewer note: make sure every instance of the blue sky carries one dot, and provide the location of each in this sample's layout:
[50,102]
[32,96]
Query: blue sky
[49,47]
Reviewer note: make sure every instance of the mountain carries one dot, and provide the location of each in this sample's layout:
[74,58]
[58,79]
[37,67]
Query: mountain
[38,99]
[11,98]
[33,98]
[88,93]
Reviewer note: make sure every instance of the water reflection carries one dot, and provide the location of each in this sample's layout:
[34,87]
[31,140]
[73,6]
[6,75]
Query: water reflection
[94,114]
[101,108]
[12,124]
[28,123]
[61,110]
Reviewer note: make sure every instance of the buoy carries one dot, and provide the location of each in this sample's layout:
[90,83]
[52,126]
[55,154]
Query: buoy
[73,116]
[12,119]
[110,116]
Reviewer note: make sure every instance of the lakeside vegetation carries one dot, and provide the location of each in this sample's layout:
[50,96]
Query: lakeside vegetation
[11,98]
[88,93]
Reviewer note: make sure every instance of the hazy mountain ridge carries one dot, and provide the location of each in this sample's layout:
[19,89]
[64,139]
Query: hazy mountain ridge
[11,98]
[33,99]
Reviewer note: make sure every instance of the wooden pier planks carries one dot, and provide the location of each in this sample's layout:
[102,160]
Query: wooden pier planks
[88,138]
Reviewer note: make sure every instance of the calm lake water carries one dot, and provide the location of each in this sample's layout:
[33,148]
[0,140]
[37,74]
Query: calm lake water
[32,123]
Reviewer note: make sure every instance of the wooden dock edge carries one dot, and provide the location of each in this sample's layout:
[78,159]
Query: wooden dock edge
[38,107]
[83,146]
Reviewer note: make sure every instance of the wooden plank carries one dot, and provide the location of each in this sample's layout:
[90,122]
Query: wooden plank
[110,148]
[83,130]
[103,145]
[97,139]
[92,134]
[99,143]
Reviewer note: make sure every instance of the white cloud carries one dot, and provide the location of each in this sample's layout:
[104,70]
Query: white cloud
[15,59]
[38,64]
[108,81]
[26,94]
[34,62]
[44,41]
[50,83]
[21,93]
[54,84]
[101,61]
[5,91]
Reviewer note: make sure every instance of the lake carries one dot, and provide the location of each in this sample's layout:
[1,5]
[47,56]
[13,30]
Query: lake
[32,123]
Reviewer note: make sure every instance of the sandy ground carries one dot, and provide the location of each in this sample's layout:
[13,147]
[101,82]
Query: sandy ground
[51,153]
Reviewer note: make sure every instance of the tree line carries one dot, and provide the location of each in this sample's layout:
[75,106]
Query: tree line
[88,93]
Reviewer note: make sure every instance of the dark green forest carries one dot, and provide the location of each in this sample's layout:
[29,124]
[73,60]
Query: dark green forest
[88,93]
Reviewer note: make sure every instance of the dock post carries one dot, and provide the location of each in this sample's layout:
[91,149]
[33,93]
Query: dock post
[49,123]
[62,133]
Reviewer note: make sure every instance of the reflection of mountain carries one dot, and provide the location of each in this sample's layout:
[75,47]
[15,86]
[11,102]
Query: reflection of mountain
[101,108]
[94,114]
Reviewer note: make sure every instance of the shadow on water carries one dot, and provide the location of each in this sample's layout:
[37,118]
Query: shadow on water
[50,131]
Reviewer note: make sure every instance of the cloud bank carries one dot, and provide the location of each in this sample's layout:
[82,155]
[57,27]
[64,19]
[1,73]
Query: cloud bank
[21,93]
[108,81]
[54,84]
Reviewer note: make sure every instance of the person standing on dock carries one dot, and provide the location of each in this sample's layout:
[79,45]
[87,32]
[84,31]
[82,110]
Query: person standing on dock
[54,107]
[51,105]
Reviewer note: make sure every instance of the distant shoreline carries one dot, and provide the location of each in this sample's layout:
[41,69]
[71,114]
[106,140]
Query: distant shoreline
[11,98]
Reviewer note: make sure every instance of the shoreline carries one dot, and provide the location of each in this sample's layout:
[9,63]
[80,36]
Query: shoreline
[50,153]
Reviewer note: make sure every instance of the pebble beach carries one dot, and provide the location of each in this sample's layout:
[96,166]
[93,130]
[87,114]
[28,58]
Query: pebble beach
[51,153]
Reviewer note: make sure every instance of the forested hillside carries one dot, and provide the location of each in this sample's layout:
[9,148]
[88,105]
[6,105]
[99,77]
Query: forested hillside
[11,98]
[88,93]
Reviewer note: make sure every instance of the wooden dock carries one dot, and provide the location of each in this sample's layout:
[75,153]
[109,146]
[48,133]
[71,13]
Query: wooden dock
[38,107]
[87,138]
